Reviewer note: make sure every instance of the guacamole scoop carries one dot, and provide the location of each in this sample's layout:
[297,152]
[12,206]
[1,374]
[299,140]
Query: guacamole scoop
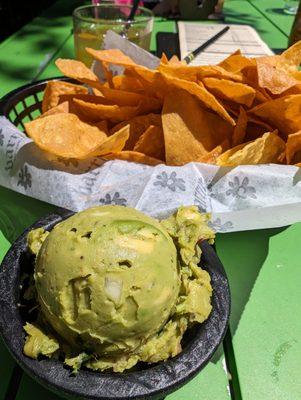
[116,287]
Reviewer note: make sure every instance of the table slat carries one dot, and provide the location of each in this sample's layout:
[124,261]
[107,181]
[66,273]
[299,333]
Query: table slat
[273,11]
[209,384]
[243,12]
[264,273]
[17,212]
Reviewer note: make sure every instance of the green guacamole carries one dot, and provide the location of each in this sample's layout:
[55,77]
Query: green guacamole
[117,287]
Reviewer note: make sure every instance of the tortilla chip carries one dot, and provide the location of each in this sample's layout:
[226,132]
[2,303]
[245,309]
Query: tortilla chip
[195,73]
[275,80]
[291,57]
[236,63]
[97,112]
[232,108]
[127,83]
[296,89]
[151,81]
[280,73]
[202,94]
[61,108]
[190,132]
[120,97]
[264,150]
[148,75]
[150,105]
[98,93]
[113,144]
[258,121]
[233,91]
[261,96]
[116,82]
[163,59]
[77,70]
[151,143]
[123,98]
[240,129]
[283,113]
[174,60]
[296,74]
[243,67]
[108,74]
[138,125]
[116,106]
[181,135]
[256,128]
[54,89]
[90,98]
[103,126]
[212,156]
[65,135]
[133,156]
[112,56]
[254,131]
[293,148]
[147,104]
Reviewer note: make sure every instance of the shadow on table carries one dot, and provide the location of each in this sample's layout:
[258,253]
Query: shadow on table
[37,43]
[40,40]
[243,254]
[279,11]
[17,212]
[245,18]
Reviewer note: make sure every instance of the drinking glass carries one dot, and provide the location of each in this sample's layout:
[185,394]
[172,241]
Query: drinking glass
[291,6]
[90,24]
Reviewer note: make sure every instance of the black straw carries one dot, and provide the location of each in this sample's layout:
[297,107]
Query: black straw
[135,5]
[130,18]
[191,56]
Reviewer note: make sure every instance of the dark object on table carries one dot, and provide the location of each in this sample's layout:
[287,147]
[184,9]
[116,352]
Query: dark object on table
[186,9]
[196,9]
[218,14]
[191,56]
[151,381]
[168,43]
[167,8]
[295,34]
[150,3]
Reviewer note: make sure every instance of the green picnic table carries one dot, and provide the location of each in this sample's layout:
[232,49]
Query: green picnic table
[260,356]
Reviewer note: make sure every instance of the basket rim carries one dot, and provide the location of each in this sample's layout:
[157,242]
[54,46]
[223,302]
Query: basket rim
[8,96]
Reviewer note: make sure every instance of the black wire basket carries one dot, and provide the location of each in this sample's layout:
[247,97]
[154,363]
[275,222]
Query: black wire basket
[25,103]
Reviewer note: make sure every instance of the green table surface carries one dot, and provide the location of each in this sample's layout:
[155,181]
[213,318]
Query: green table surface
[260,356]
[273,11]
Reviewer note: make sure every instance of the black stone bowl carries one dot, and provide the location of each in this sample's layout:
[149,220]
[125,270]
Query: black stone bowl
[150,381]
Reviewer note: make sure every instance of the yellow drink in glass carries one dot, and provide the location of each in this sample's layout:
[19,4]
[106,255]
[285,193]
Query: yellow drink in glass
[90,24]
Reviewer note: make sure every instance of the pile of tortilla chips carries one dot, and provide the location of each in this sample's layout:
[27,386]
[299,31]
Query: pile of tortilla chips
[241,111]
